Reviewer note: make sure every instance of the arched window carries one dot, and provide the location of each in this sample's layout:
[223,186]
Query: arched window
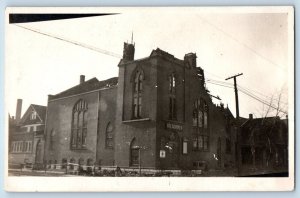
[137,94]
[51,142]
[38,152]
[134,153]
[200,122]
[33,115]
[79,125]
[49,163]
[200,114]
[109,141]
[205,116]
[219,154]
[81,161]
[172,97]
[55,162]
[90,163]
[72,162]
[64,162]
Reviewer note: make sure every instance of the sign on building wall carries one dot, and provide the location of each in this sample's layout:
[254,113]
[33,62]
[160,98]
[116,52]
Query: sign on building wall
[162,154]
[174,126]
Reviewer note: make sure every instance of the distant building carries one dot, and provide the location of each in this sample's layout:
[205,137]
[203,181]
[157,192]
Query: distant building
[157,114]
[26,135]
[264,145]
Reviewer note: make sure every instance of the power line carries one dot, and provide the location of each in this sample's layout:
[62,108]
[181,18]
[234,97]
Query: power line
[246,89]
[106,52]
[276,108]
[243,44]
[268,97]
[252,96]
[102,51]
[220,84]
[213,74]
[218,81]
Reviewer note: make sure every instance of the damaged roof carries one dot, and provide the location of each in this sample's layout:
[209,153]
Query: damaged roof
[90,85]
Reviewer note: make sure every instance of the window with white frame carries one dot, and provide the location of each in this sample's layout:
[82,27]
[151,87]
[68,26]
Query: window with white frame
[33,115]
[21,146]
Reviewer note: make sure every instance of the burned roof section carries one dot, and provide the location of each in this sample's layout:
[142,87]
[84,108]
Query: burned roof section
[86,86]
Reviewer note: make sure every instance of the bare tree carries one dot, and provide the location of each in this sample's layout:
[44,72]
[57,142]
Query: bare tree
[265,130]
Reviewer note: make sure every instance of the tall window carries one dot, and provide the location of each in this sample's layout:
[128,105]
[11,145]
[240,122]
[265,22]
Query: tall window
[200,142]
[52,134]
[72,162]
[79,125]
[134,153]
[33,115]
[64,163]
[21,146]
[200,123]
[172,97]
[205,115]
[228,145]
[137,94]
[109,136]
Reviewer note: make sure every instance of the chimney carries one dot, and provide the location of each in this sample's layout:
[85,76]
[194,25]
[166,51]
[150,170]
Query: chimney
[18,110]
[190,59]
[250,116]
[128,52]
[82,79]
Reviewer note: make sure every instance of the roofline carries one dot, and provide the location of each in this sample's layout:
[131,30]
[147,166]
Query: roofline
[176,60]
[37,113]
[83,93]
[78,85]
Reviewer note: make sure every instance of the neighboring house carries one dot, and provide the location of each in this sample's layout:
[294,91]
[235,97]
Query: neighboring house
[157,114]
[264,145]
[26,135]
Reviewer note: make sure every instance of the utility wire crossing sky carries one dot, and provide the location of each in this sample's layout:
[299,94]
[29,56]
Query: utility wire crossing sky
[259,49]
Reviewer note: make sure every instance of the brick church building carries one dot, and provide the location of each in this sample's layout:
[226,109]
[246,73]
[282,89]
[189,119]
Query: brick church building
[157,114]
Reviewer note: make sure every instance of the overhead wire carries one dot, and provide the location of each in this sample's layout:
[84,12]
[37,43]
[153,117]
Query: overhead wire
[211,81]
[93,48]
[224,84]
[242,44]
[250,91]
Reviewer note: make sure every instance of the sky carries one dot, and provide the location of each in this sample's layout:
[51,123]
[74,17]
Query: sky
[227,41]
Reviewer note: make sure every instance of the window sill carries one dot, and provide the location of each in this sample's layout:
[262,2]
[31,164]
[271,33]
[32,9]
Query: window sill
[136,120]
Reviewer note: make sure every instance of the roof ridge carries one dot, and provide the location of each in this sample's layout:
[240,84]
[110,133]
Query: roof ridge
[38,105]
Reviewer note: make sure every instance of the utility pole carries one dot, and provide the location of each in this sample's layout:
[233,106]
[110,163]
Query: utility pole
[238,138]
[236,95]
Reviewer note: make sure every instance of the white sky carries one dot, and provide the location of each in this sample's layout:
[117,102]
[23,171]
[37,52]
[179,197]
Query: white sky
[226,43]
